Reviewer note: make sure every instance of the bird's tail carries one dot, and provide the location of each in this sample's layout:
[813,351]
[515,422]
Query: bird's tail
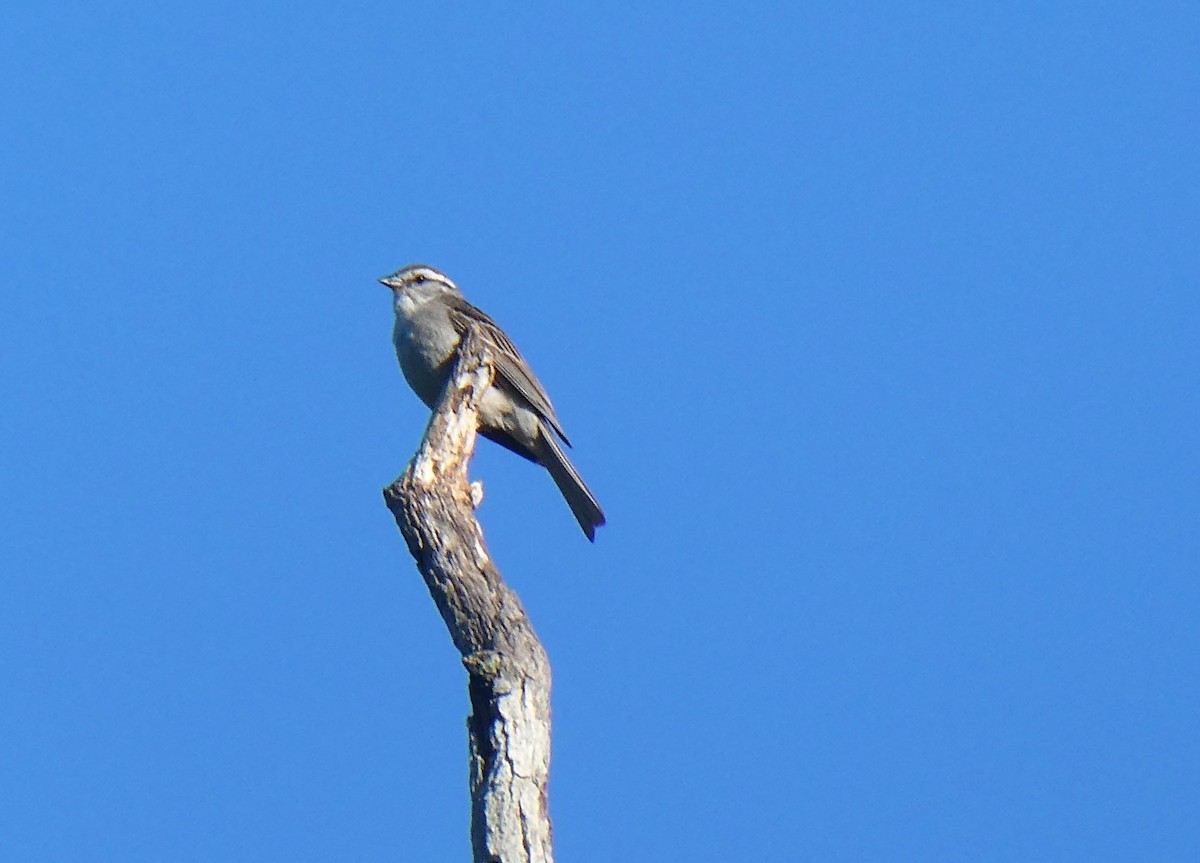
[574,491]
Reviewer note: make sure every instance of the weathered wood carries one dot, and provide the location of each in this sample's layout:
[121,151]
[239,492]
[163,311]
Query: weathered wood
[508,670]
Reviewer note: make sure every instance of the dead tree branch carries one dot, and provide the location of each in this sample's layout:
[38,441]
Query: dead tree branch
[509,673]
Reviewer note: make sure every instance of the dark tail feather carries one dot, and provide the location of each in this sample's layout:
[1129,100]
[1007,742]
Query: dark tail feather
[583,504]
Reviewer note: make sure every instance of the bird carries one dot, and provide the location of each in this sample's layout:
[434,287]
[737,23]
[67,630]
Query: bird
[432,317]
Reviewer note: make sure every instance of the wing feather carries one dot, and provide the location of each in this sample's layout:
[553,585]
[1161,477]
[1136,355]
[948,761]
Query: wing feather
[511,367]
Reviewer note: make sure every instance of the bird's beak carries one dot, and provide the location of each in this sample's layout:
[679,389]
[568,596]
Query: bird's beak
[384,281]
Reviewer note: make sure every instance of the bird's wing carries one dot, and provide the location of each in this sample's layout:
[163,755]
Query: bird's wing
[510,365]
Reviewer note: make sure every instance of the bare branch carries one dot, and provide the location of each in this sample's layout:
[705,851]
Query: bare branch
[509,673]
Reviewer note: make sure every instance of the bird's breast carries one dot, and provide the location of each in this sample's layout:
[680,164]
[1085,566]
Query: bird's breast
[425,343]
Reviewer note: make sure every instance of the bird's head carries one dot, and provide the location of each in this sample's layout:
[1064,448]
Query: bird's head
[419,281]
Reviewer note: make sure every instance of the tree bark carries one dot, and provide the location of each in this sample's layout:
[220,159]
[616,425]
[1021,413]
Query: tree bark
[508,670]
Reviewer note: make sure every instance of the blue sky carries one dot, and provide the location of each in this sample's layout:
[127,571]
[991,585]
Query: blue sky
[875,331]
